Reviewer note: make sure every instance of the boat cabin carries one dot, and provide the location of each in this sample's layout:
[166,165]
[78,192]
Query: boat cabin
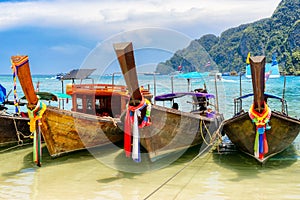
[101,99]
[98,99]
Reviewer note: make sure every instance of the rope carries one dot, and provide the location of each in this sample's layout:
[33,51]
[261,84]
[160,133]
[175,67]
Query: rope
[180,170]
[201,131]
[18,133]
[16,102]
[112,119]
[13,147]
[219,134]
[185,185]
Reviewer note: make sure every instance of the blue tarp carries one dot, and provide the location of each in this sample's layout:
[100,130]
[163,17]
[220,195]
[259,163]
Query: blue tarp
[48,96]
[268,67]
[2,94]
[189,75]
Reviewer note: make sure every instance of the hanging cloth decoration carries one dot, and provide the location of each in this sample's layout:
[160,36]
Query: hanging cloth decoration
[34,116]
[261,121]
[146,120]
[16,101]
[131,124]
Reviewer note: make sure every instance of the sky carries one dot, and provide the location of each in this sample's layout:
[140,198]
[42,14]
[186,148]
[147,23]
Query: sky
[60,35]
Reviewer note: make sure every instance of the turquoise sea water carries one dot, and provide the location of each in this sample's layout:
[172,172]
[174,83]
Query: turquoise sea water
[232,175]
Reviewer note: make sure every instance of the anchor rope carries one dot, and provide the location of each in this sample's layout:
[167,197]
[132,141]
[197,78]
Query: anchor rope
[20,141]
[18,133]
[201,131]
[190,179]
[186,165]
[14,147]
[112,120]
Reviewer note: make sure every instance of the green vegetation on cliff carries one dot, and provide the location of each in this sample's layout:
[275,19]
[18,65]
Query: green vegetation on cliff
[279,34]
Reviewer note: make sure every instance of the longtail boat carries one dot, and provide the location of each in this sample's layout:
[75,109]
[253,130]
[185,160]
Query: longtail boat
[14,128]
[169,130]
[92,121]
[261,132]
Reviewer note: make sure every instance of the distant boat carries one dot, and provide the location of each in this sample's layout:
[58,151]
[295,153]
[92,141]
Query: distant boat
[150,73]
[175,73]
[226,74]
[59,75]
[219,76]
[272,70]
[213,73]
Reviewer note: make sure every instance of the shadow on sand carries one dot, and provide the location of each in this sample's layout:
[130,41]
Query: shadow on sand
[241,163]
[129,169]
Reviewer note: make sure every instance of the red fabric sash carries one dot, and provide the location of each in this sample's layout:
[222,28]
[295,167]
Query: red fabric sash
[127,127]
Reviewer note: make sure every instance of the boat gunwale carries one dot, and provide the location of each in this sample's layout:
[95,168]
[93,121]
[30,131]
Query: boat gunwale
[81,115]
[12,116]
[185,114]
[96,86]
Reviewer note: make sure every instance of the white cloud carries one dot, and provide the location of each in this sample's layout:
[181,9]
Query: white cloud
[69,49]
[111,16]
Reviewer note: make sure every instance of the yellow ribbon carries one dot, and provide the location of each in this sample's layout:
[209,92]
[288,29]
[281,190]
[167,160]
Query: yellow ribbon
[39,109]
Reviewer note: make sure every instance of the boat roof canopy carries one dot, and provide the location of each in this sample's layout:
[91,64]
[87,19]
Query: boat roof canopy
[47,96]
[190,75]
[2,94]
[78,74]
[171,96]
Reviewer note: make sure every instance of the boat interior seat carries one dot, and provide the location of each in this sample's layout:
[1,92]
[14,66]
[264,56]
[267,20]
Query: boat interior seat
[201,103]
[104,112]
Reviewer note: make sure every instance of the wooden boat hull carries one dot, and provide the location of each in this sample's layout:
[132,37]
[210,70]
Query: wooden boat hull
[9,128]
[66,131]
[241,131]
[172,130]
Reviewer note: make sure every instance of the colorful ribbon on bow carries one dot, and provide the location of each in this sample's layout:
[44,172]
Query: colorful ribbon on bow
[16,102]
[36,115]
[261,121]
[131,124]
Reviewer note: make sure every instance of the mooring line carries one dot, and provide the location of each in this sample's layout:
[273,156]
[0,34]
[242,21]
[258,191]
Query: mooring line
[179,171]
[184,186]
[13,147]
